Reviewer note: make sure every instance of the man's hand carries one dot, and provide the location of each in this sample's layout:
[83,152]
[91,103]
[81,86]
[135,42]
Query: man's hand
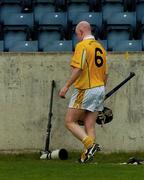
[74,75]
[63,91]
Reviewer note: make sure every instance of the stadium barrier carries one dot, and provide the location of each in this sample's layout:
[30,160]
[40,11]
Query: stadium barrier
[25,80]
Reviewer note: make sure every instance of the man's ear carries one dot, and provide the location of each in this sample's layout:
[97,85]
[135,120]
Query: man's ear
[81,31]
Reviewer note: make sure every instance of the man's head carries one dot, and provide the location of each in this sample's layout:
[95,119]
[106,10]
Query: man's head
[83,29]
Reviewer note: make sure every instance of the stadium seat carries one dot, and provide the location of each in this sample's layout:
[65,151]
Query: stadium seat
[78,7]
[88,5]
[140,11]
[11,37]
[1,46]
[59,5]
[128,45]
[54,21]
[115,35]
[60,46]
[41,9]
[19,20]
[44,1]
[74,9]
[125,19]
[11,1]
[46,37]
[24,46]
[6,10]
[26,5]
[109,8]
[94,18]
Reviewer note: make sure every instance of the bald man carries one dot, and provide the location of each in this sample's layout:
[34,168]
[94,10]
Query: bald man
[89,77]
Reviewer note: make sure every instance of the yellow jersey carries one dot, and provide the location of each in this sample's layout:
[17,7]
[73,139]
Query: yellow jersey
[90,56]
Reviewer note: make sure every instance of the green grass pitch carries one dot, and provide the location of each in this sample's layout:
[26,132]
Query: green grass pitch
[103,167]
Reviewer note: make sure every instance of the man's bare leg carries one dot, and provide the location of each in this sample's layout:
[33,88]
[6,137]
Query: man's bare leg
[89,123]
[72,117]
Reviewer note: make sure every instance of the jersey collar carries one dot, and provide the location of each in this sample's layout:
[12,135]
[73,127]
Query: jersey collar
[89,37]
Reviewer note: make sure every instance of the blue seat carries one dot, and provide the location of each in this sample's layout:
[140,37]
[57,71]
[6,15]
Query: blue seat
[114,36]
[1,46]
[125,19]
[11,37]
[94,18]
[140,11]
[44,1]
[19,19]
[24,46]
[78,7]
[54,20]
[11,1]
[120,26]
[110,8]
[58,5]
[128,45]
[84,5]
[7,10]
[59,46]
[47,37]
[41,9]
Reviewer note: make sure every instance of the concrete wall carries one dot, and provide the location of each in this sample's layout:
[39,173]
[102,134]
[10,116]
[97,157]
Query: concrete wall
[25,81]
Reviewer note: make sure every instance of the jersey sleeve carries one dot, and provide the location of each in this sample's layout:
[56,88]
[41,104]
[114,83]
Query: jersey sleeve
[79,57]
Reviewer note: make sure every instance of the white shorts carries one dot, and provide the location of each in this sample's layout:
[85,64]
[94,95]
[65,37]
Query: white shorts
[89,99]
